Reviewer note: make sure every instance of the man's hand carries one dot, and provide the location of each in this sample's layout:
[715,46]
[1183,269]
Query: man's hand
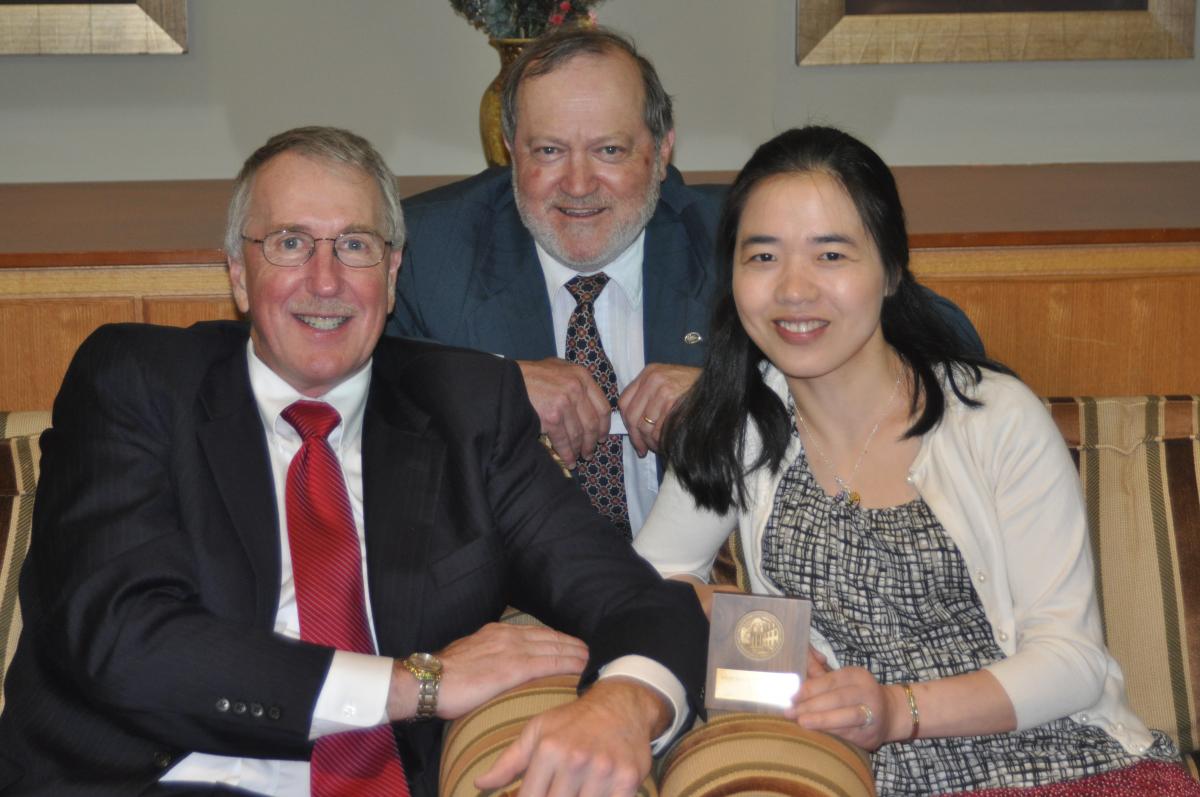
[572,408]
[595,746]
[650,398]
[494,659]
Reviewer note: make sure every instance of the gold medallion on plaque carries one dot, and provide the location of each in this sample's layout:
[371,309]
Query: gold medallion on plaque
[758,635]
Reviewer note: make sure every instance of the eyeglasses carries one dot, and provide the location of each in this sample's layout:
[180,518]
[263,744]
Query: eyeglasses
[291,249]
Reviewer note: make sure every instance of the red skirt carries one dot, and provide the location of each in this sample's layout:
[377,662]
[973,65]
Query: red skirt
[1145,779]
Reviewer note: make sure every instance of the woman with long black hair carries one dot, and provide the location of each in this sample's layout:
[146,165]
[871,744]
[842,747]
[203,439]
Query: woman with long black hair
[916,492]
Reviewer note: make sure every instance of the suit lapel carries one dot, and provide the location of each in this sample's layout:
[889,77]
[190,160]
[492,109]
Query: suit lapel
[241,471]
[673,310]
[402,475]
[510,312]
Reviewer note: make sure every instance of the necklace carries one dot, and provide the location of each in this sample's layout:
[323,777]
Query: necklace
[847,493]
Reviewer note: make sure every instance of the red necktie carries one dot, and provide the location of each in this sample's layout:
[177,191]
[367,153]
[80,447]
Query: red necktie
[603,476]
[327,571]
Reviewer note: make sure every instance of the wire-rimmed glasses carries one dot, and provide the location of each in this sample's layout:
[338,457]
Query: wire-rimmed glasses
[291,248]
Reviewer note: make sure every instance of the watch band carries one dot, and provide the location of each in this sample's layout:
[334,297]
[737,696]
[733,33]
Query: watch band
[427,696]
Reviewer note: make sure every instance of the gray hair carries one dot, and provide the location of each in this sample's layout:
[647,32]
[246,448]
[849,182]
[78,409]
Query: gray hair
[326,143]
[546,54]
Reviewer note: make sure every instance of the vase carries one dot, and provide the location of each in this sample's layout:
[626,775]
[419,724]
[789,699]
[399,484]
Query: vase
[491,131]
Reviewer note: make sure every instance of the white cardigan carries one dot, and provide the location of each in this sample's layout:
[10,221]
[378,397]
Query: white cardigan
[1001,482]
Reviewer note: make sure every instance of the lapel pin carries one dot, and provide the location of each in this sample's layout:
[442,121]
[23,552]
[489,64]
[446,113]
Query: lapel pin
[692,338]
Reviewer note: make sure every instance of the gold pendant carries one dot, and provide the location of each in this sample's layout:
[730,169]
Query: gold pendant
[854,498]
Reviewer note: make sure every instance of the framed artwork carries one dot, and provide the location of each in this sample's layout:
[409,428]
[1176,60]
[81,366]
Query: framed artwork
[946,31]
[102,27]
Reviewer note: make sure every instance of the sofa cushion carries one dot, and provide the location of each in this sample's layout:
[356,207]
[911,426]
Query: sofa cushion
[741,753]
[19,459]
[473,742]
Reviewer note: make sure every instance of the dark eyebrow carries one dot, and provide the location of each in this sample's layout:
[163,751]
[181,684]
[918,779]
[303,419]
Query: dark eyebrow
[833,238]
[751,240]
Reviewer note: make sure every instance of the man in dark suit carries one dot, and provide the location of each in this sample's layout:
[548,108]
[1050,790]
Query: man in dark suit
[590,130]
[171,640]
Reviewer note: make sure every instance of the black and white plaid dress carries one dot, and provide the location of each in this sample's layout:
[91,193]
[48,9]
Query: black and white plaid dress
[891,593]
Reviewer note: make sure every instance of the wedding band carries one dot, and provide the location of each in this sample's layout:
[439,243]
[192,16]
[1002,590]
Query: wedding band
[868,714]
[649,421]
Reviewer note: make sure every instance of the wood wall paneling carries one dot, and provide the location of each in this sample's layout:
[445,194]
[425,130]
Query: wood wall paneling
[46,312]
[1076,287]
[41,336]
[1081,320]
[184,311]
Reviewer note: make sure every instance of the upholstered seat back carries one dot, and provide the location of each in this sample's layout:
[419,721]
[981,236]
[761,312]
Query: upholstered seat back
[1138,464]
[19,458]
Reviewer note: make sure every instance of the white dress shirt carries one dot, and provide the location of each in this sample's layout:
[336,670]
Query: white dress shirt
[619,321]
[355,691]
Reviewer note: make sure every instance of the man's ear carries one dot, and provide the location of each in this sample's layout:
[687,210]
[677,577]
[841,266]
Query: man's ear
[237,283]
[665,148]
[393,271]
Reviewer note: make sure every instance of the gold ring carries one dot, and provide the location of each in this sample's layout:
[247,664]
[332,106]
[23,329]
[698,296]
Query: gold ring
[868,714]
[649,421]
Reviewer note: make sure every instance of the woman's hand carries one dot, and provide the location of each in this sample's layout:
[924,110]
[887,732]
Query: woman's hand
[850,704]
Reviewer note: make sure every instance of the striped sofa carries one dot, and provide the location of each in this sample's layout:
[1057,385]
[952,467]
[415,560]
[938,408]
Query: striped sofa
[1139,464]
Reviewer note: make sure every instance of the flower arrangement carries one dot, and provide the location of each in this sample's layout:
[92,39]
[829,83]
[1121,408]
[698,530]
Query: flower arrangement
[525,19]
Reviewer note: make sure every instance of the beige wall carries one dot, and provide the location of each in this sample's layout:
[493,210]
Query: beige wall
[408,74]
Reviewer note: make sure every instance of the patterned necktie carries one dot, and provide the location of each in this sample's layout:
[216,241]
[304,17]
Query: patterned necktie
[327,572]
[603,476]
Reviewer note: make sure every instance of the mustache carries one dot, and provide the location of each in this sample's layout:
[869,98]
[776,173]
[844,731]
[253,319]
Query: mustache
[593,201]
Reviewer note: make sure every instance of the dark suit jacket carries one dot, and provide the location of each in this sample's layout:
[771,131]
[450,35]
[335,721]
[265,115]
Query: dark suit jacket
[471,276]
[151,586]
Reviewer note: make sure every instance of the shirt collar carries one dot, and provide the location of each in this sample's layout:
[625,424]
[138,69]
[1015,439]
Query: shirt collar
[625,270]
[273,395]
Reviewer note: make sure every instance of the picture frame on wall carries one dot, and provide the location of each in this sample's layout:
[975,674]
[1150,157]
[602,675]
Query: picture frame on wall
[947,31]
[103,27]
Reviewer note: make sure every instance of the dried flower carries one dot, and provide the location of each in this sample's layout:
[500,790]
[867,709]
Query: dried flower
[525,19]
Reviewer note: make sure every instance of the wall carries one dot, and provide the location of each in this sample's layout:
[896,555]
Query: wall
[408,74]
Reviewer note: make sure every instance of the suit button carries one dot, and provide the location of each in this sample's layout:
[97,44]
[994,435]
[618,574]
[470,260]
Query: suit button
[273,712]
[256,710]
[162,760]
[222,705]
[239,707]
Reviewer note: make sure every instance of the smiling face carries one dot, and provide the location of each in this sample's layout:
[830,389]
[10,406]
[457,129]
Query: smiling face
[586,170]
[808,281]
[315,324]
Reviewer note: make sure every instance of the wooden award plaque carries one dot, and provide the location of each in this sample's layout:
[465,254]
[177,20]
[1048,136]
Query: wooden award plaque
[757,652]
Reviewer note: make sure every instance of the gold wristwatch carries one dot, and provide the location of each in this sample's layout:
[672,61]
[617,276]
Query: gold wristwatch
[427,669]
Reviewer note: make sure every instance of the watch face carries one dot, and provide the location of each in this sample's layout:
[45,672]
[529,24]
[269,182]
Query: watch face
[426,661]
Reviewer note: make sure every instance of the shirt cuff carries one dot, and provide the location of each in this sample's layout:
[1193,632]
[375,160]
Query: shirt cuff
[354,694]
[660,679]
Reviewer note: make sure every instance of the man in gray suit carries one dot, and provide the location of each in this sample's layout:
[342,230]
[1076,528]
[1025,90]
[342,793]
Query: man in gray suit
[489,259]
